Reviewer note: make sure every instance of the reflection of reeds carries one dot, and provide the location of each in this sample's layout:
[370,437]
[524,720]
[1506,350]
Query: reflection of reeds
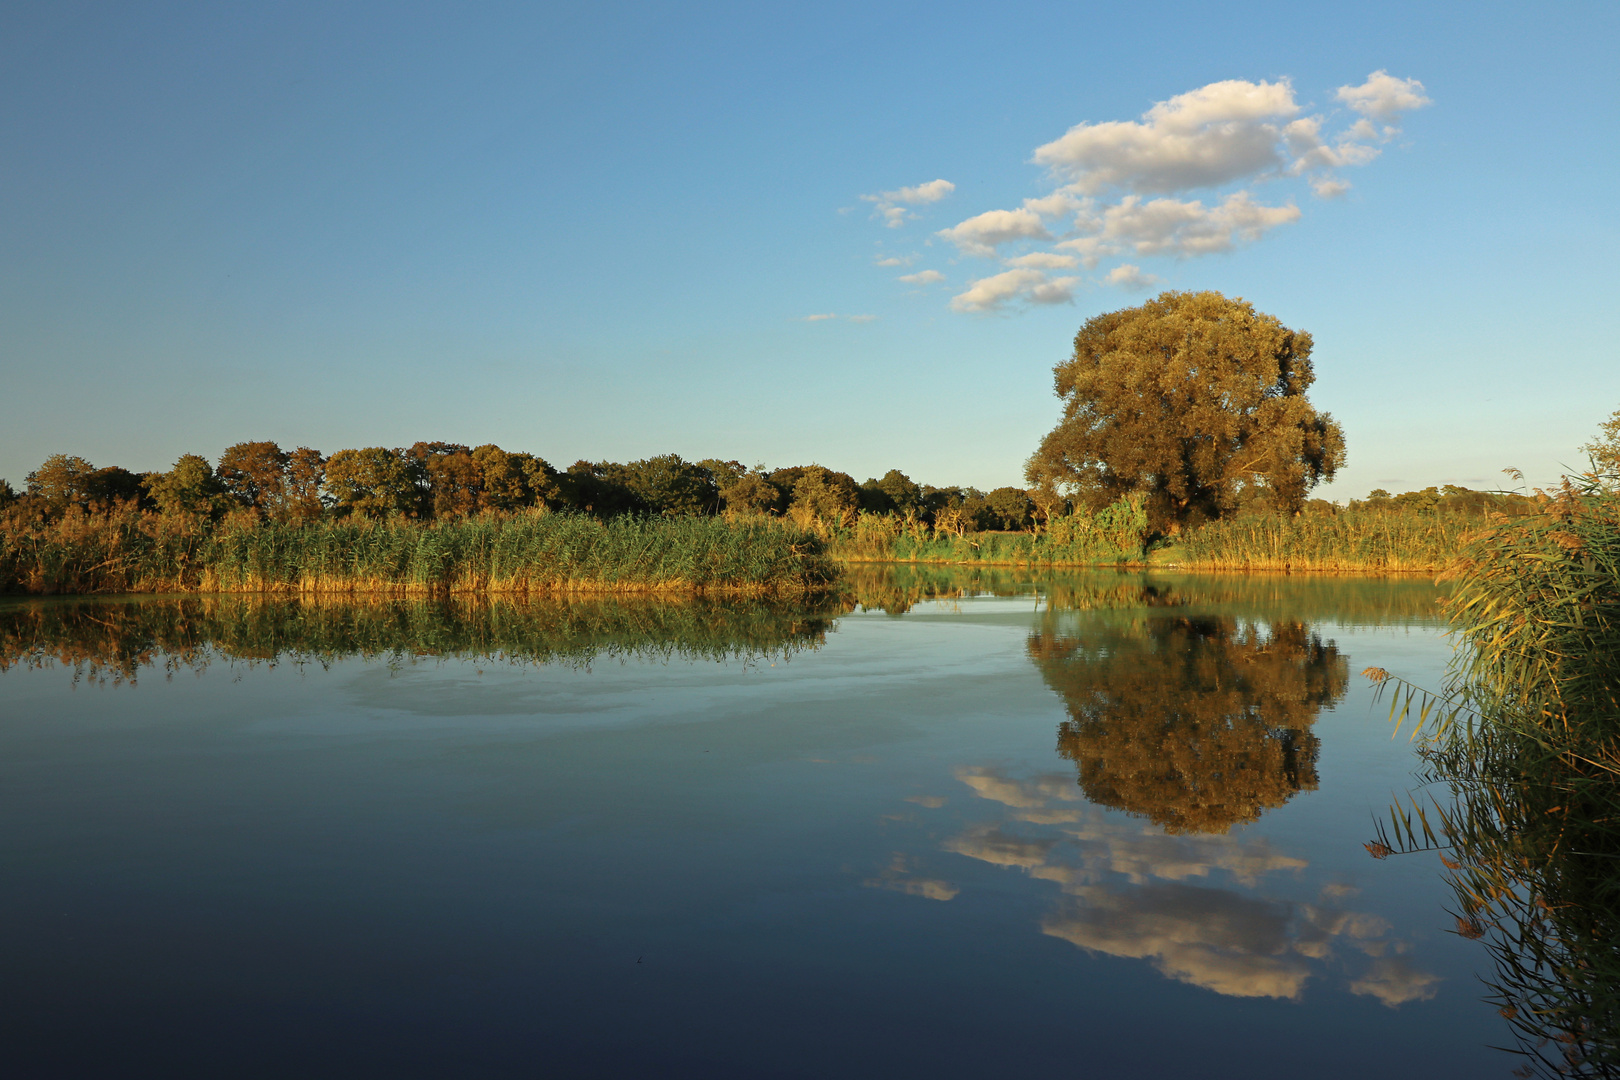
[1381,601]
[122,550]
[115,640]
[1524,737]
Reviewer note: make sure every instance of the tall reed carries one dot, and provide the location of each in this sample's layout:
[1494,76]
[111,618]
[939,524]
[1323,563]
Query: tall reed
[1351,540]
[1525,738]
[1110,536]
[123,550]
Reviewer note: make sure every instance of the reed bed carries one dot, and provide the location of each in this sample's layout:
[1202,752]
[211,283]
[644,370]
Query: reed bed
[115,640]
[1111,536]
[1525,741]
[123,550]
[1367,541]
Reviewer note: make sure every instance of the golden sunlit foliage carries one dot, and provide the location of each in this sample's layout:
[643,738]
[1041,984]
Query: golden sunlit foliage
[1193,400]
[1197,723]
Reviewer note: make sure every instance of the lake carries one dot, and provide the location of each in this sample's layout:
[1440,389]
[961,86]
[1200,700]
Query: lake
[978,824]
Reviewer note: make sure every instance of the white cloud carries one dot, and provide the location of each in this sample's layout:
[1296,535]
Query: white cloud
[1204,138]
[862,318]
[1044,260]
[1384,97]
[1124,185]
[995,292]
[1130,278]
[980,235]
[1054,205]
[819,318]
[923,277]
[1395,982]
[1172,227]
[891,205]
[896,260]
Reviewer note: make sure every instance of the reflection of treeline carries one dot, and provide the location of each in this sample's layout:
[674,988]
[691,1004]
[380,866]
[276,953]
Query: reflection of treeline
[1527,739]
[1417,530]
[116,640]
[124,549]
[1197,723]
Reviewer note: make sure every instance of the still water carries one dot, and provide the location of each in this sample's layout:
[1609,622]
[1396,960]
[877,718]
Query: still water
[1089,825]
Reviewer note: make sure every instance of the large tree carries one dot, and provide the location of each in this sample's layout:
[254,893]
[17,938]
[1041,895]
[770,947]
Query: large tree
[1194,400]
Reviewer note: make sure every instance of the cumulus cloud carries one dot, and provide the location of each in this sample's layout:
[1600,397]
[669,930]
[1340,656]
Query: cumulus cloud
[924,277]
[892,205]
[1130,278]
[1384,97]
[1395,982]
[1204,138]
[983,233]
[1044,260]
[1172,227]
[819,318]
[1024,285]
[896,260]
[1122,187]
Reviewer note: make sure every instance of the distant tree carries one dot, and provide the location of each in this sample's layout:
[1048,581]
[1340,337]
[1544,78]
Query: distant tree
[1185,399]
[1011,508]
[255,475]
[751,493]
[1604,453]
[1048,504]
[873,499]
[726,475]
[821,494]
[373,482]
[115,484]
[669,485]
[191,487]
[600,488]
[62,480]
[8,495]
[902,492]
[505,485]
[306,472]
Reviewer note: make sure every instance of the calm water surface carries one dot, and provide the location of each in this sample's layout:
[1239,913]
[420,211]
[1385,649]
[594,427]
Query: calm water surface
[1101,826]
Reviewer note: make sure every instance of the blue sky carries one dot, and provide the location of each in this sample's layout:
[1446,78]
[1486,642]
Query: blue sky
[599,231]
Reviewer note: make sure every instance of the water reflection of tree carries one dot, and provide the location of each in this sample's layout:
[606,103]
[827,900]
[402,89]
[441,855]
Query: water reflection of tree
[1195,723]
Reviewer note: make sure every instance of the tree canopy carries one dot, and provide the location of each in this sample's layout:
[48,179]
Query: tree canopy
[1193,399]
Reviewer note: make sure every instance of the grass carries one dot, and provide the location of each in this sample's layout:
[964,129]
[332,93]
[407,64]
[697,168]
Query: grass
[1524,739]
[123,550]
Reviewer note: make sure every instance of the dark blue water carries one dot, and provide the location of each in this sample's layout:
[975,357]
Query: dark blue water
[882,856]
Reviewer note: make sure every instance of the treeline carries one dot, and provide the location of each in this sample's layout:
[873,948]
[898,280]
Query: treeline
[440,480]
